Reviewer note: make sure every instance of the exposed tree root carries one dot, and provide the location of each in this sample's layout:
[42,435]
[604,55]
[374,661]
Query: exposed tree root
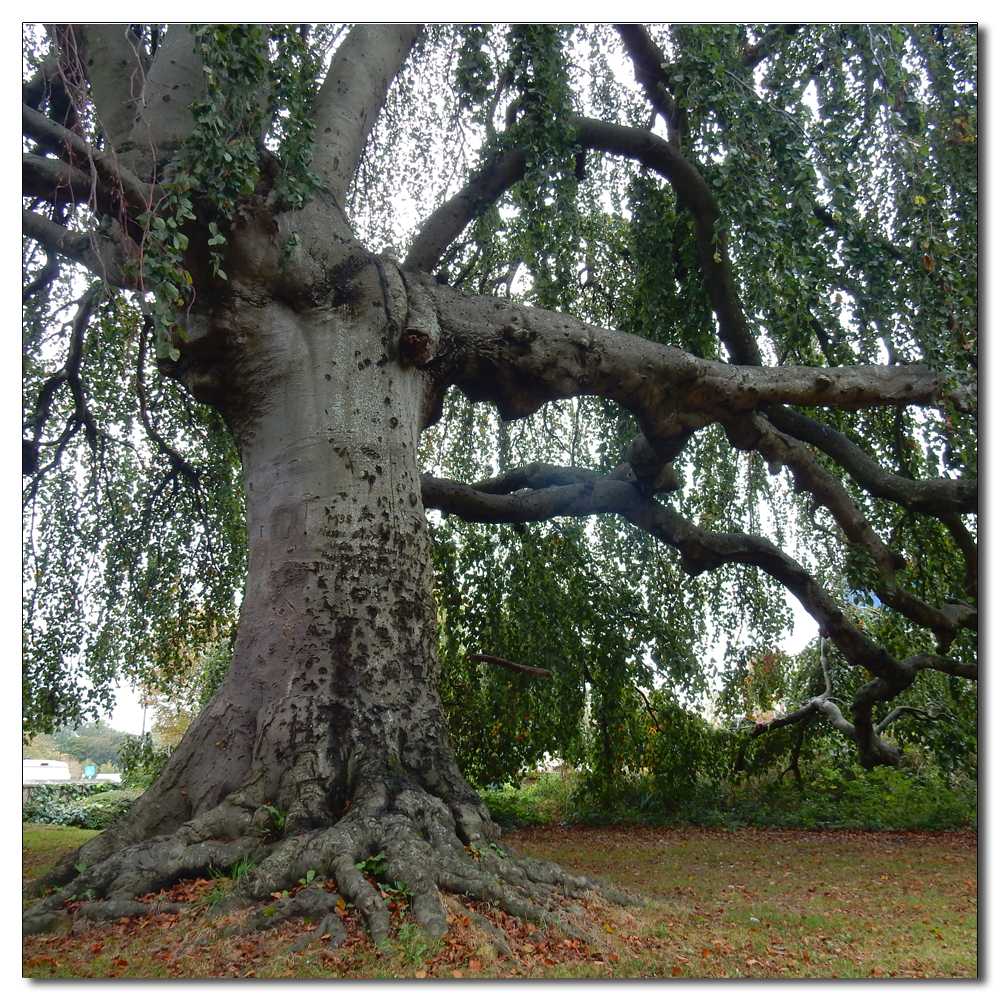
[408,842]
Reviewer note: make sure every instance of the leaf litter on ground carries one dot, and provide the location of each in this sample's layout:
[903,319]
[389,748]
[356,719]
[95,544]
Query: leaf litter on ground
[721,904]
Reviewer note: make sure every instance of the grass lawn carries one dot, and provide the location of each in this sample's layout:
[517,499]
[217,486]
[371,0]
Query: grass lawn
[43,844]
[721,904]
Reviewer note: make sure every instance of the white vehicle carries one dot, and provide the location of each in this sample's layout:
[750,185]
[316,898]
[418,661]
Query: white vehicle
[37,772]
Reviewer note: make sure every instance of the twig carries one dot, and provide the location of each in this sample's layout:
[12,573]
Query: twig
[509,664]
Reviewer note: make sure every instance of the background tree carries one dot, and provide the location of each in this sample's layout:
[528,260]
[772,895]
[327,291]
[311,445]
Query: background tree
[730,308]
[90,743]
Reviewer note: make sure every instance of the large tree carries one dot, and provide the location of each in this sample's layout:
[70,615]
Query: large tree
[760,253]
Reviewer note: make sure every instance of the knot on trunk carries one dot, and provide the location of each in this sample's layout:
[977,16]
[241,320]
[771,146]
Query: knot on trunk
[421,335]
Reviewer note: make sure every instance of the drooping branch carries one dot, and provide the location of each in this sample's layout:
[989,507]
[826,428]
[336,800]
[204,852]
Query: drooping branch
[44,278]
[696,196]
[824,664]
[352,96]
[544,491]
[651,151]
[900,710]
[68,375]
[863,731]
[873,750]
[178,464]
[969,549]
[753,431]
[944,499]
[648,61]
[945,622]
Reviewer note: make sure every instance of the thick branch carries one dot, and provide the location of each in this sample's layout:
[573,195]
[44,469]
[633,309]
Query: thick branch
[520,358]
[85,249]
[34,91]
[352,96]
[174,80]
[944,622]
[446,223]
[536,476]
[932,661]
[48,179]
[929,496]
[111,58]
[647,61]
[806,711]
[752,431]
[116,180]
[872,749]
[603,496]
[700,550]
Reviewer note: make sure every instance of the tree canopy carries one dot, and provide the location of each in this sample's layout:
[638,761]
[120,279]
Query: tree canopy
[687,320]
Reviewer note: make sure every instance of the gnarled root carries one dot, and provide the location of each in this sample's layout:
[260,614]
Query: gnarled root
[407,838]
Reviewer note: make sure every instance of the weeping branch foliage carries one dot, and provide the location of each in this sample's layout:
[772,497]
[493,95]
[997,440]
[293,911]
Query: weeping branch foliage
[757,196]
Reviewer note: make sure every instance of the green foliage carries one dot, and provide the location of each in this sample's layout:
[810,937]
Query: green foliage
[141,760]
[224,883]
[375,865]
[474,75]
[278,816]
[923,798]
[414,943]
[132,556]
[87,806]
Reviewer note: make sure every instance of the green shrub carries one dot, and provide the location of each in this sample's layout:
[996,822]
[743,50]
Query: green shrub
[914,798]
[545,799]
[90,807]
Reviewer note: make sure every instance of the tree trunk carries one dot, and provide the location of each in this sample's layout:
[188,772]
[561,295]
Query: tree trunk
[328,731]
